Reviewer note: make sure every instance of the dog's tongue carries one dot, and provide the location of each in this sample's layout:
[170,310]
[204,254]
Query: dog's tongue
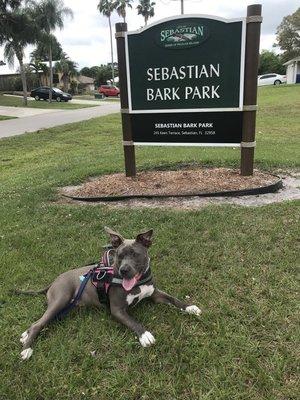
[129,283]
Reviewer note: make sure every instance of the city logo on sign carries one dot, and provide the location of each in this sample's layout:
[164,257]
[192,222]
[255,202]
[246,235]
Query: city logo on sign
[182,36]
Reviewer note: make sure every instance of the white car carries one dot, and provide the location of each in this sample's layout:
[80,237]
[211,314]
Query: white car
[271,79]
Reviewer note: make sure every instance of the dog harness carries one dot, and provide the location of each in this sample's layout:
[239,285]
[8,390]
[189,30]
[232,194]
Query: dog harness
[103,277]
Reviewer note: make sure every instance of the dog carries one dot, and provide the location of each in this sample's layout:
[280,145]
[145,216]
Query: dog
[130,264]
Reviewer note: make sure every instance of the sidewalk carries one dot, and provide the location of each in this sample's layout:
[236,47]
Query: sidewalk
[23,111]
[52,118]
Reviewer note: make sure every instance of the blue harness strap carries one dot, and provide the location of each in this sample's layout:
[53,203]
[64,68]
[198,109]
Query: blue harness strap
[74,301]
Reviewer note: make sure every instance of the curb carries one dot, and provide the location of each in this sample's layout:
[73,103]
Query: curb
[274,187]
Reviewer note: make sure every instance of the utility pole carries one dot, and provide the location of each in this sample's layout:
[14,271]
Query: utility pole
[181,6]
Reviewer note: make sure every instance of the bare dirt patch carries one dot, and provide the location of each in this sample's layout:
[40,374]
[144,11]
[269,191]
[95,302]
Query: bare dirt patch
[170,183]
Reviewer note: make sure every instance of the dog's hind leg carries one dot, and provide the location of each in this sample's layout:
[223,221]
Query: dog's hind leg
[161,297]
[28,337]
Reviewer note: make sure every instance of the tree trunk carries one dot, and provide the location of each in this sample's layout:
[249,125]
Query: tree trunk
[111,52]
[51,73]
[65,82]
[146,19]
[23,77]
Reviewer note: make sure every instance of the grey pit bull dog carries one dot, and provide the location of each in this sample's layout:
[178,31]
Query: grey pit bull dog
[131,260]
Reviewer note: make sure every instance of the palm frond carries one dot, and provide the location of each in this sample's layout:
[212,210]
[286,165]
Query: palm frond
[9,54]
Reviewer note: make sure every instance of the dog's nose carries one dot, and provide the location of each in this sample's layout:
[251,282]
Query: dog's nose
[124,270]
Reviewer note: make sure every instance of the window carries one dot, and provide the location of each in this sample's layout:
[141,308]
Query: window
[268,76]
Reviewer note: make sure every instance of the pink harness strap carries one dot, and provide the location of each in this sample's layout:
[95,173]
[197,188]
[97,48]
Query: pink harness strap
[102,270]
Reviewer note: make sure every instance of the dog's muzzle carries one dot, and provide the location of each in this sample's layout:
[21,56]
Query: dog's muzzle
[126,271]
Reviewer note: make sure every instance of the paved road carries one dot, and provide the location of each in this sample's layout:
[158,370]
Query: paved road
[34,123]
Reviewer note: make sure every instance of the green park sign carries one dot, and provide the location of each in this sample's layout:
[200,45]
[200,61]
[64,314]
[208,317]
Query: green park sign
[186,64]
[184,82]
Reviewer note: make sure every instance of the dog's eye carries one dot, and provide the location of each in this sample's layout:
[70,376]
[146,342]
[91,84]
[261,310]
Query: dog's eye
[126,252]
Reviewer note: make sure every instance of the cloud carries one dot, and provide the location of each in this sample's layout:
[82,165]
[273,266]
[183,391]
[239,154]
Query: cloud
[85,38]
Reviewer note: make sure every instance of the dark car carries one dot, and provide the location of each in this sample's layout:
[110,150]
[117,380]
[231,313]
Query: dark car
[42,93]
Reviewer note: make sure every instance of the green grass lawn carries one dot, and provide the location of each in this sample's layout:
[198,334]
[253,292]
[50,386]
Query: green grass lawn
[18,102]
[3,117]
[238,264]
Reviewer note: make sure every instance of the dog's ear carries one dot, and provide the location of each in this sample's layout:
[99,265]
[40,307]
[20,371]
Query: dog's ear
[145,238]
[115,238]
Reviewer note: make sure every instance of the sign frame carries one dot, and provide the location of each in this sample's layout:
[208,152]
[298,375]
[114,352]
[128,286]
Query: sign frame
[250,37]
[168,110]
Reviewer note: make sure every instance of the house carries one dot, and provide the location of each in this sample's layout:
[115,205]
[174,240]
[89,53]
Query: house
[293,70]
[86,83]
[6,81]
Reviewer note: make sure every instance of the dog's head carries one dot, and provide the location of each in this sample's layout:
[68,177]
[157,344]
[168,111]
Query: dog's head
[131,256]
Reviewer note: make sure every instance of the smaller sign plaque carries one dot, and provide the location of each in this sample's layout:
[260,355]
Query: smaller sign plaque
[186,129]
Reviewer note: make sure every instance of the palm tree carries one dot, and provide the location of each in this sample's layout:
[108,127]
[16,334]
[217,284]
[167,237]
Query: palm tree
[7,7]
[68,69]
[146,9]
[106,7]
[38,67]
[19,32]
[41,52]
[120,6]
[50,15]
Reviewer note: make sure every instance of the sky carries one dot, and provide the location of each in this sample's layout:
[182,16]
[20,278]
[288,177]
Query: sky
[85,38]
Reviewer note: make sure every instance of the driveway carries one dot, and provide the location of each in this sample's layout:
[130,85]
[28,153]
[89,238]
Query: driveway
[51,119]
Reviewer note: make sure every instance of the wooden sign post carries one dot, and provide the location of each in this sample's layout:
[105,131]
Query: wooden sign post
[190,80]
[129,153]
[254,20]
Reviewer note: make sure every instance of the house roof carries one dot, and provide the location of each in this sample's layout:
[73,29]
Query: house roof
[292,61]
[85,79]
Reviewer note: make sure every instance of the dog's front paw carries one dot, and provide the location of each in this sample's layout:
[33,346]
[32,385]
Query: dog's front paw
[147,339]
[24,337]
[193,310]
[26,354]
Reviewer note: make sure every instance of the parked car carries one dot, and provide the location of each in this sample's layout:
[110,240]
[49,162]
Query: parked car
[42,93]
[109,90]
[271,79]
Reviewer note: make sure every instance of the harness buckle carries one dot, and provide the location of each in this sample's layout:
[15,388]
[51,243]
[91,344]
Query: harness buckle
[99,277]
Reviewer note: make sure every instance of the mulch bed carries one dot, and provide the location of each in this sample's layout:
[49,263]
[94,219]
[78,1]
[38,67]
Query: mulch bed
[170,183]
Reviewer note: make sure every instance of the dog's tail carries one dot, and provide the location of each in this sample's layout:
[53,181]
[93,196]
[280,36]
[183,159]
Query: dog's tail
[31,292]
